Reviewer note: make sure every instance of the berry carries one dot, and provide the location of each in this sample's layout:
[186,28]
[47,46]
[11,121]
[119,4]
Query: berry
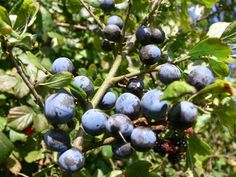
[71,160]
[62,64]
[28,131]
[85,83]
[128,104]
[158,147]
[115,20]
[112,32]
[143,35]
[59,108]
[169,73]
[150,54]
[179,141]
[119,123]
[143,139]
[182,115]
[121,149]
[135,86]
[152,106]
[93,121]
[157,36]
[107,5]
[108,101]
[107,46]
[57,140]
[201,77]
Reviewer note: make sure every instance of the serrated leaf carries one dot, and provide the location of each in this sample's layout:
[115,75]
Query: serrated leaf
[107,151]
[211,47]
[219,68]
[4,15]
[58,80]
[137,169]
[6,147]
[229,34]
[40,123]
[17,136]
[34,156]
[216,30]
[198,146]
[20,117]
[176,90]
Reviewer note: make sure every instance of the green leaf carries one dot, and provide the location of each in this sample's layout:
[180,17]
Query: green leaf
[211,47]
[4,28]
[78,90]
[58,80]
[229,34]
[20,117]
[107,151]
[6,147]
[206,3]
[114,173]
[40,123]
[13,165]
[34,60]
[137,169]
[216,29]
[176,90]
[198,146]
[17,136]
[4,16]
[34,156]
[219,68]
[73,6]
[3,123]
[43,172]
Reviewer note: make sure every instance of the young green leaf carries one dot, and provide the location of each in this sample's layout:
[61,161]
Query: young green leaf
[6,147]
[219,68]
[137,169]
[229,34]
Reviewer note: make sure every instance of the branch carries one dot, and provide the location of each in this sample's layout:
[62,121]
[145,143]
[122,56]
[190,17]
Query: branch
[154,7]
[98,144]
[126,19]
[99,23]
[8,51]
[76,26]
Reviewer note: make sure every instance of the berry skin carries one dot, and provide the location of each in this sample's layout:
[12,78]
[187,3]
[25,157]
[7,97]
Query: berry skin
[135,86]
[174,158]
[107,46]
[143,139]
[112,32]
[108,101]
[85,83]
[150,54]
[152,106]
[169,73]
[62,64]
[71,160]
[201,77]
[183,115]
[115,20]
[128,104]
[158,147]
[143,35]
[179,141]
[157,36]
[57,140]
[93,121]
[59,108]
[122,149]
[119,123]
[107,5]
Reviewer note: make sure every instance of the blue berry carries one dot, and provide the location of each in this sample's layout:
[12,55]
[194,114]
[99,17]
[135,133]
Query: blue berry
[115,20]
[119,123]
[150,54]
[135,86]
[107,5]
[128,104]
[122,149]
[112,32]
[57,140]
[85,83]
[201,77]
[59,108]
[108,100]
[93,121]
[152,106]
[169,73]
[143,139]
[183,115]
[62,64]
[107,45]
[157,35]
[71,160]
[143,35]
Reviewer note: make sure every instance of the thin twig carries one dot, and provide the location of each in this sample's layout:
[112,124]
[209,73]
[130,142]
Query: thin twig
[76,26]
[99,23]
[126,20]
[98,144]
[10,56]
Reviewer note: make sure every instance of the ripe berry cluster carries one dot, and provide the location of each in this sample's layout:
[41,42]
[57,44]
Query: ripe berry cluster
[135,102]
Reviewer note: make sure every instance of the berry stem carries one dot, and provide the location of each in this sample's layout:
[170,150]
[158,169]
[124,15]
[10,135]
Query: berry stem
[98,144]
[99,23]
